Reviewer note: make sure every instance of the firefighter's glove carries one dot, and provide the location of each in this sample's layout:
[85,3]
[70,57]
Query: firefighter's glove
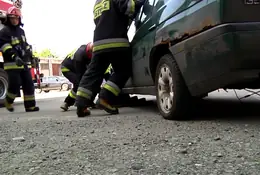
[19,61]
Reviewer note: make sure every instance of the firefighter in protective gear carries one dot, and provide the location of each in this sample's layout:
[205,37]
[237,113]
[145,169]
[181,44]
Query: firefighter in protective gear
[17,61]
[73,67]
[111,46]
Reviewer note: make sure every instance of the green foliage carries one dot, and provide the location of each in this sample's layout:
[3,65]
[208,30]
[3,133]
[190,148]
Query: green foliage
[46,53]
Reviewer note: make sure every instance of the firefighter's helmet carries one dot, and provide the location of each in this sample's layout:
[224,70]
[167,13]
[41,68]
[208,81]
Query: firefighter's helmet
[14,12]
[89,49]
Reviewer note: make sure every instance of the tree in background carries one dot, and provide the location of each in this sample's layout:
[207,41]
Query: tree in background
[46,53]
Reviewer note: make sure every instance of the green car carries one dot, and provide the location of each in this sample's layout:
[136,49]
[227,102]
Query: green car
[185,49]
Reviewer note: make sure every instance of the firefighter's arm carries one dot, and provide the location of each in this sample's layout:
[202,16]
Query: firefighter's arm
[28,47]
[5,45]
[129,7]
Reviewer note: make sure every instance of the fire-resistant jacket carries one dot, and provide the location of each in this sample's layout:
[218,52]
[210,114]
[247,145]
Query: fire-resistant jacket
[76,61]
[13,43]
[112,18]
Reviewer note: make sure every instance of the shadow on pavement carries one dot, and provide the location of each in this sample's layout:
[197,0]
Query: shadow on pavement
[219,109]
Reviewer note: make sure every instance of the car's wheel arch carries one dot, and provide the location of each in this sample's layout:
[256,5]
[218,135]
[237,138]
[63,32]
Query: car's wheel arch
[155,55]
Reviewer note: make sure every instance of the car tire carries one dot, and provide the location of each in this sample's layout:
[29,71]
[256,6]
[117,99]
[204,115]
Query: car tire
[3,85]
[46,91]
[38,91]
[65,87]
[173,97]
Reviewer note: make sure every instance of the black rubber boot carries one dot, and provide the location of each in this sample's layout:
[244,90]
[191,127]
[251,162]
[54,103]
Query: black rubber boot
[32,109]
[103,104]
[64,106]
[83,111]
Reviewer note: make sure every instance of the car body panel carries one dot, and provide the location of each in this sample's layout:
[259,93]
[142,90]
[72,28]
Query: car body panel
[210,51]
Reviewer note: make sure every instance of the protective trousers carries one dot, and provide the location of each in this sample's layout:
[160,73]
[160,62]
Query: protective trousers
[16,78]
[121,61]
[73,78]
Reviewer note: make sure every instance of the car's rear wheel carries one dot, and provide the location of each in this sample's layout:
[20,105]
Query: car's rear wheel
[65,87]
[3,85]
[46,91]
[38,90]
[173,97]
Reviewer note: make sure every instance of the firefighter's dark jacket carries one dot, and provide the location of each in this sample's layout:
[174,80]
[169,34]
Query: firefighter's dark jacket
[112,18]
[77,61]
[13,43]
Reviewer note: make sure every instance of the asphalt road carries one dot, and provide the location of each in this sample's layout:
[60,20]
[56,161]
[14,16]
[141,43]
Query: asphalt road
[223,138]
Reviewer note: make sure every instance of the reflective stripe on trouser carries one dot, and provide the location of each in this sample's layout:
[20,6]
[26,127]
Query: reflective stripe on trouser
[72,77]
[70,99]
[112,87]
[110,43]
[72,94]
[19,77]
[84,93]
[93,77]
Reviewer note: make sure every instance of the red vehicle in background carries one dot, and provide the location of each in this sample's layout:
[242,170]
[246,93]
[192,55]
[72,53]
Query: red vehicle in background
[4,5]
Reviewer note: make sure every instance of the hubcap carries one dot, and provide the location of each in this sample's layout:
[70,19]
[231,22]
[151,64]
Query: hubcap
[165,89]
[65,87]
[3,87]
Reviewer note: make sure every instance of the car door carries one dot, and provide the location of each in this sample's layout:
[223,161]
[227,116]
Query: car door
[142,44]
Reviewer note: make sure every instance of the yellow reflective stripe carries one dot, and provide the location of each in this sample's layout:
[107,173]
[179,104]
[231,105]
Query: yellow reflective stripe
[112,87]
[110,46]
[5,47]
[108,69]
[110,43]
[11,95]
[29,98]
[83,94]
[130,8]
[64,69]
[13,67]
[15,41]
[72,94]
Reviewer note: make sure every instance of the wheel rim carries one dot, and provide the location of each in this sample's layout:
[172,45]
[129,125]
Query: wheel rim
[165,89]
[65,87]
[3,87]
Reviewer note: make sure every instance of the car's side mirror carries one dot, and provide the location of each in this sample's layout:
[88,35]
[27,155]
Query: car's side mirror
[57,80]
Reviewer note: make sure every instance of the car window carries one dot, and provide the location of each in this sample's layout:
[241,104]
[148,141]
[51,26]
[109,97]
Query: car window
[52,79]
[146,11]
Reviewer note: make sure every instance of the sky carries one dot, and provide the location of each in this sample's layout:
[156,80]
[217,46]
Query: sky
[59,25]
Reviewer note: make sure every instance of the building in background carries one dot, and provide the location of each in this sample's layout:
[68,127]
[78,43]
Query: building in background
[50,66]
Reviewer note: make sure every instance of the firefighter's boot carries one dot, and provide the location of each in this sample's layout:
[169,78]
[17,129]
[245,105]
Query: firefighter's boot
[64,106]
[9,106]
[93,105]
[103,104]
[32,109]
[82,111]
